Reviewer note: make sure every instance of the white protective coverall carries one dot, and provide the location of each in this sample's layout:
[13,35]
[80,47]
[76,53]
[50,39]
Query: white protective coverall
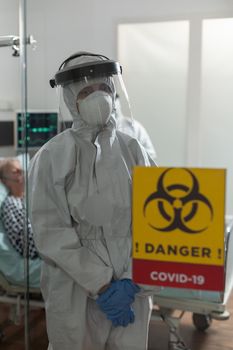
[134,129]
[80,208]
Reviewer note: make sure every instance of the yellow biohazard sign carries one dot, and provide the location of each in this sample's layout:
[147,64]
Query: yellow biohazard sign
[178,215]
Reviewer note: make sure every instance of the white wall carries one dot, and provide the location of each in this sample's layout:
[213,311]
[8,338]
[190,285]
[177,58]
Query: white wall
[157,82]
[63,27]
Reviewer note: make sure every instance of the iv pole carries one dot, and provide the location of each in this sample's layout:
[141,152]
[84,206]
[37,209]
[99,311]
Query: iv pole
[24,107]
[19,46]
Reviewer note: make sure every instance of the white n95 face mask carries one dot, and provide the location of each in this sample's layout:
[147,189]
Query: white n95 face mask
[96,108]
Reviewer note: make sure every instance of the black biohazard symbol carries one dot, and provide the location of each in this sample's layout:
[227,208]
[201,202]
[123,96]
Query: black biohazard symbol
[180,218]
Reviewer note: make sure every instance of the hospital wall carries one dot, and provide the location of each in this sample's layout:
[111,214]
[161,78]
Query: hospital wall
[63,27]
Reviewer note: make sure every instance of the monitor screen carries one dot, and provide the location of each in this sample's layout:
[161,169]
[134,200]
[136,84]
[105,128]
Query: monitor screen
[6,133]
[40,127]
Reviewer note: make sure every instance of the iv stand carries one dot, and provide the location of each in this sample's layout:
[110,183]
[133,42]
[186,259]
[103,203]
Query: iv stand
[19,47]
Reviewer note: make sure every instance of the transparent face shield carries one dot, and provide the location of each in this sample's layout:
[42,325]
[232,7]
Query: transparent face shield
[94,100]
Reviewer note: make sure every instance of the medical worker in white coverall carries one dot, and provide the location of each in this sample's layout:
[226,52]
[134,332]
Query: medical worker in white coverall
[80,208]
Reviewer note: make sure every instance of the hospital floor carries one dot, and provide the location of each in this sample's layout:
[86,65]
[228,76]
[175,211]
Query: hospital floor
[218,337]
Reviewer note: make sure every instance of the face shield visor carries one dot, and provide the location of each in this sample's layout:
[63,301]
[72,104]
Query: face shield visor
[87,87]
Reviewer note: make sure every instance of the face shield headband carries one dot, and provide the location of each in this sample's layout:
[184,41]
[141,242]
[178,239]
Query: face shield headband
[93,70]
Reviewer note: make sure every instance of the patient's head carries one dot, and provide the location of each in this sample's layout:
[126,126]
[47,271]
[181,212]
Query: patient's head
[11,175]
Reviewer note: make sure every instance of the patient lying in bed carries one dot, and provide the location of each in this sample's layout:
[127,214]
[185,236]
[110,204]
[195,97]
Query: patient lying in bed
[12,217]
[13,210]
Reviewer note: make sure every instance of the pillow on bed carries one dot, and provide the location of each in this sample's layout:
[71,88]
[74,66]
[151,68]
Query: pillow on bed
[3,193]
[24,160]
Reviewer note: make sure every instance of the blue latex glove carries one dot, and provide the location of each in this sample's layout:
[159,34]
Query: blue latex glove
[114,299]
[130,287]
[117,298]
[126,318]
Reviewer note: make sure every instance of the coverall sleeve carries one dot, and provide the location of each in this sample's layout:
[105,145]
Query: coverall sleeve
[145,140]
[54,234]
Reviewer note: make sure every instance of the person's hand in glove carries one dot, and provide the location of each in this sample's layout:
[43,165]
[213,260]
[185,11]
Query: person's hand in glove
[116,300]
[130,287]
[124,319]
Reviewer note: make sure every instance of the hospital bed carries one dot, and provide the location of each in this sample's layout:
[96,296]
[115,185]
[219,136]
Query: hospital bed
[12,277]
[170,304]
